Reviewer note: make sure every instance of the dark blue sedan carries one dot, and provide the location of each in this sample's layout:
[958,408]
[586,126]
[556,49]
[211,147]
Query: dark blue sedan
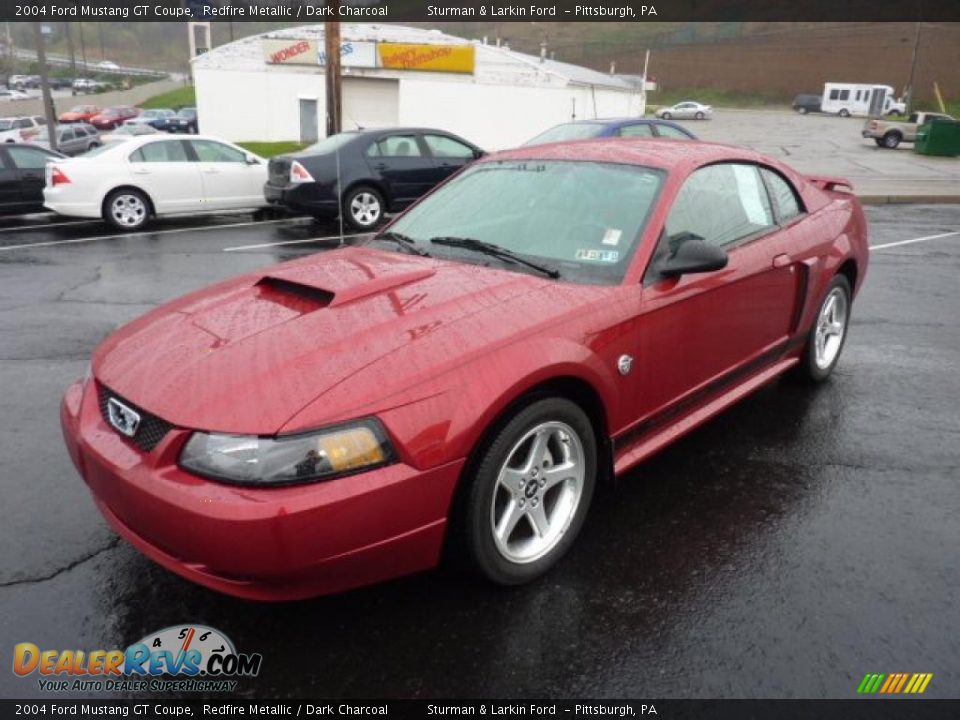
[617,127]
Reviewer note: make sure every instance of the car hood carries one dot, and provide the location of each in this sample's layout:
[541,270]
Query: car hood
[247,355]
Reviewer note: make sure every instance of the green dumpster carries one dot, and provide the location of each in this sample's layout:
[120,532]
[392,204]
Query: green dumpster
[939,137]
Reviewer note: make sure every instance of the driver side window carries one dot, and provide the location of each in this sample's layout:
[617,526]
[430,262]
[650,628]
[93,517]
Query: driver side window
[722,204]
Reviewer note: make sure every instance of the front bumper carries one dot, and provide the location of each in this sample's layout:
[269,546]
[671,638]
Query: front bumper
[258,543]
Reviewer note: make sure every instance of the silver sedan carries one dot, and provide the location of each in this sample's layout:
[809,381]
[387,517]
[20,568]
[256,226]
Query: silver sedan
[687,110]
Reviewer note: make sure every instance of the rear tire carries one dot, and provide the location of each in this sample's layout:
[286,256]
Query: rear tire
[844,113]
[891,140]
[126,209]
[699,116]
[802,110]
[363,208]
[529,493]
[828,334]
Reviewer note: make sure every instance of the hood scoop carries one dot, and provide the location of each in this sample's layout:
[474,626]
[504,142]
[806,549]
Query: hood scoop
[293,295]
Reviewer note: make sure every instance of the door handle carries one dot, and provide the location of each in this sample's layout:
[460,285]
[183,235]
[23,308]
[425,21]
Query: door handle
[781,260]
[211,171]
[380,166]
[141,171]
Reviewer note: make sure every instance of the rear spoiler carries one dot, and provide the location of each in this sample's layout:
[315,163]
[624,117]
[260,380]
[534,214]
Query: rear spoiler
[831,184]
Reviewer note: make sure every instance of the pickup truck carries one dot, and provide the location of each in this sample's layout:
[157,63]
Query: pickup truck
[890,133]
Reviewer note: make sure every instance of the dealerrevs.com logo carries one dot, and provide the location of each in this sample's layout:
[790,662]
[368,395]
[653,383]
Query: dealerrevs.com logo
[197,657]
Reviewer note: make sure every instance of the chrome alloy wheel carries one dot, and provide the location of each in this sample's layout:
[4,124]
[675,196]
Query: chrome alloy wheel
[128,210]
[538,491]
[365,209]
[831,327]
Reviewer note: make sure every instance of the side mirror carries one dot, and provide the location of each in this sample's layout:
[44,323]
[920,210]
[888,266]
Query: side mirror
[477,154]
[694,256]
[252,160]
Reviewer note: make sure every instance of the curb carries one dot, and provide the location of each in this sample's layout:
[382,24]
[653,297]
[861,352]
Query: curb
[909,199]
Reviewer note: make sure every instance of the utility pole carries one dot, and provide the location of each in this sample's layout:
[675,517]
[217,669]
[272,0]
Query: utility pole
[83,48]
[331,39]
[70,49]
[45,86]
[103,52]
[908,101]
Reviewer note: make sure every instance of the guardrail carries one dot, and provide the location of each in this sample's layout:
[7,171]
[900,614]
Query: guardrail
[87,67]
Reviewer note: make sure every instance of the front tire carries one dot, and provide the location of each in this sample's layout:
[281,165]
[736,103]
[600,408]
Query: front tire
[699,116]
[530,492]
[829,332]
[802,110]
[844,113]
[666,116]
[126,209]
[363,208]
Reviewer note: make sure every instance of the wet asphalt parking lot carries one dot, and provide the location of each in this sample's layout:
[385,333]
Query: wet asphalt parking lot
[788,547]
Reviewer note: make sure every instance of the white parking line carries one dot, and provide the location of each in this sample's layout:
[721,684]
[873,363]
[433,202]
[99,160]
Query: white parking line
[302,241]
[144,233]
[914,240]
[49,225]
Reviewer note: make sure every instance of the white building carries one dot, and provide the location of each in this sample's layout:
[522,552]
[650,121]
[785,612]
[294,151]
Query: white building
[271,87]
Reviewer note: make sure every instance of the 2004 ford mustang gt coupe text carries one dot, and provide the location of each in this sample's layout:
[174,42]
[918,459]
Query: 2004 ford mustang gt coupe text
[549,317]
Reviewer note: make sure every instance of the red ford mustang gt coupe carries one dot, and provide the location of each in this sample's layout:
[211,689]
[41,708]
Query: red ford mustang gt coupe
[547,318]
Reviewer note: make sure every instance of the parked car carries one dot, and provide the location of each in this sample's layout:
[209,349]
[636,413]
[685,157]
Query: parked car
[22,177]
[622,127]
[80,113]
[13,95]
[17,82]
[890,133]
[60,83]
[86,85]
[108,65]
[184,121]
[18,129]
[113,117]
[125,132]
[154,117]
[551,317]
[381,171]
[127,183]
[804,104]
[72,139]
[688,110]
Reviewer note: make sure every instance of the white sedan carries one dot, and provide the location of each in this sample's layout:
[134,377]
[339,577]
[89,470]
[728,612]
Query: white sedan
[129,182]
[688,110]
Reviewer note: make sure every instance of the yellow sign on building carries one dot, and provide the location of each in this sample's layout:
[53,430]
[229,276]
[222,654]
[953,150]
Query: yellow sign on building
[434,58]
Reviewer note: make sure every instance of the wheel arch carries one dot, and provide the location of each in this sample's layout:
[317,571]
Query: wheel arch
[353,184]
[849,270]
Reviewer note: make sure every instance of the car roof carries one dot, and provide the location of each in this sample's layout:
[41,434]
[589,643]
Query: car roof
[648,152]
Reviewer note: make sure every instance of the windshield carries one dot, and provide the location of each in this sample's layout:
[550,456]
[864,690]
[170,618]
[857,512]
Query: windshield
[565,132]
[582,218]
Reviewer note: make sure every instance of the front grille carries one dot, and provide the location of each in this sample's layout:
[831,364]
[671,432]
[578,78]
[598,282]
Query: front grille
[151,429]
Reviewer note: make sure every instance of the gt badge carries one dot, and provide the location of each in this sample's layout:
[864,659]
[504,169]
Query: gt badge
[624,364]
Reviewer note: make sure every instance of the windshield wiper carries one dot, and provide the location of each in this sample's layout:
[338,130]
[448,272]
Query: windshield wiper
[494,251]
[407,243]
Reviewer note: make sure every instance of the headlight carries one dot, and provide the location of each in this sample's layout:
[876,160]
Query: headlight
[284,460]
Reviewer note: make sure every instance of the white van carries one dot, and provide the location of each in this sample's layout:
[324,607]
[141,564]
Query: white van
[863,100]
